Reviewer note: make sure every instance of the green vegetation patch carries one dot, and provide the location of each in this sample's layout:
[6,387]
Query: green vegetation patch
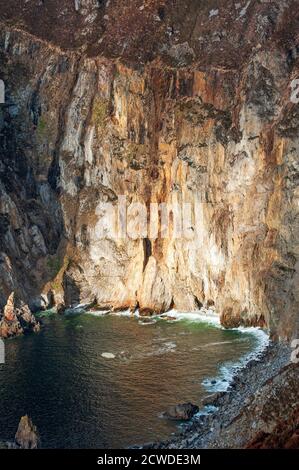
[41,127]
[136,155]
[54,265]
[100,112]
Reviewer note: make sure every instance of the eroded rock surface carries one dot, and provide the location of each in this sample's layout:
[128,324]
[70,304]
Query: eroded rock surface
[17,319]
[185,103]
[27,436]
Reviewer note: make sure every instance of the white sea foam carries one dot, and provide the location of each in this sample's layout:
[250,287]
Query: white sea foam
[145,323]
[202,316]
[80,308]
[165,348]
[108,355]
[123,313]
[219,343]
[102,313]
[229,370]
[98,313]
[150,351]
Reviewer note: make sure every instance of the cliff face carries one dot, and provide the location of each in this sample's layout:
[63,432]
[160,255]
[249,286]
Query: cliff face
[159,102]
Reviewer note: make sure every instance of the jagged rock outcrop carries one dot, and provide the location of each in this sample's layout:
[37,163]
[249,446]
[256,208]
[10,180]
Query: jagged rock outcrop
[285,435]
[183,412]
[185,103]
[27,436]
[17,319]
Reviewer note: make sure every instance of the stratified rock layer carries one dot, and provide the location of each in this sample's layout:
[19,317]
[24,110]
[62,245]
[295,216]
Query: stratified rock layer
[159,103]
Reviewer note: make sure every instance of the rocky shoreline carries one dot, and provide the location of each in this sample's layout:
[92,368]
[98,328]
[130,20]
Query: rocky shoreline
[259,410]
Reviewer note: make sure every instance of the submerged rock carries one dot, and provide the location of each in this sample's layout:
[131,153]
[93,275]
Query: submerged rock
[168,318]
[147,321]
[27,436]
[184,411]
[17,318]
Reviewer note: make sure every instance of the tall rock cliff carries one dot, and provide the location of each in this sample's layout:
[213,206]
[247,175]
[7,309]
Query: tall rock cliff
[158,101]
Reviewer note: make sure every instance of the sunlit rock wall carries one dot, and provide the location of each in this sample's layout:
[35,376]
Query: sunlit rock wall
[77,132]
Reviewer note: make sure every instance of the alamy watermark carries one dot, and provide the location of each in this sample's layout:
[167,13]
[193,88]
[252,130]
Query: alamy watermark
[294,98]
[295,352]
[295,91]
[137,220]
[2,352]
[2,101]
[2,92]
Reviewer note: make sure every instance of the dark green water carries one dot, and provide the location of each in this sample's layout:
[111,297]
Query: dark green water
[79,399]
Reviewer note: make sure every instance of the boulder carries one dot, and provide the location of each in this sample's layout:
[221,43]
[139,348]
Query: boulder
[17,318]
[212,399]
[42,302]
[184,411]
[27,436]
[60,308]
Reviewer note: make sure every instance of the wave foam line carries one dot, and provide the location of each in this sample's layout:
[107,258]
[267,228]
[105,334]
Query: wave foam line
[201,316]
[228,371]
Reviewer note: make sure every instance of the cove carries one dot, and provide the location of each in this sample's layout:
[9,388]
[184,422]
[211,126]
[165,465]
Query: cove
[80,397]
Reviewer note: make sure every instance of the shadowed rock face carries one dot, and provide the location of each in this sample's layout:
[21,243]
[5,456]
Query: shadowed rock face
[284,436]
[196,108]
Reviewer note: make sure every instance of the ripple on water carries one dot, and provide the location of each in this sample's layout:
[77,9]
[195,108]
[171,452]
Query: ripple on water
[102,381]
